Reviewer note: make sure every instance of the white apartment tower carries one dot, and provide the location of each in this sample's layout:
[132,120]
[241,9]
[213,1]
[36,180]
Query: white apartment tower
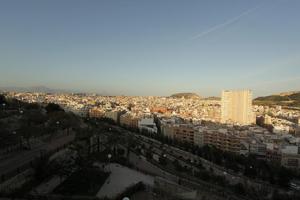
[237,107]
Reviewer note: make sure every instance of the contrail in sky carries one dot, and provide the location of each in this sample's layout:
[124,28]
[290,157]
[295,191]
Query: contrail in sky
[226,23]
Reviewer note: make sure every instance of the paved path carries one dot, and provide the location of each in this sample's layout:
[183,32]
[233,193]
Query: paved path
[25,157]
[48,187]
[121,178]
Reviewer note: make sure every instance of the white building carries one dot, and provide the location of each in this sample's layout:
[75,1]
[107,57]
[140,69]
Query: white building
[198,136]
[147,124]
[236,107]
[114,115]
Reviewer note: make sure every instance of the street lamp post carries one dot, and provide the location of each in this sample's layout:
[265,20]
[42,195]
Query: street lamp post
[109,157]
[192,165]
[57,123]
[164,155]
[21,142]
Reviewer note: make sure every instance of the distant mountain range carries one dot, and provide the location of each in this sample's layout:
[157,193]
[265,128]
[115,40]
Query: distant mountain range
[41,89]
[288,93]
[285,99]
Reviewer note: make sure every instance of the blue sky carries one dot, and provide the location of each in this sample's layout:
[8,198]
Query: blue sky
[154,47]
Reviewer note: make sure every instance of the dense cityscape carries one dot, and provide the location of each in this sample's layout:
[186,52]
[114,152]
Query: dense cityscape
[221,141]
[150,100]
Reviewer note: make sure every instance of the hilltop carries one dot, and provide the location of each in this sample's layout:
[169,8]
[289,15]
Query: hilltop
[40,89]
[186,95]
[288,93]
[213,98]
[285,99]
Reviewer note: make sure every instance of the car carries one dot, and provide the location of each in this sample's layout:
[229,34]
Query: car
[295,185]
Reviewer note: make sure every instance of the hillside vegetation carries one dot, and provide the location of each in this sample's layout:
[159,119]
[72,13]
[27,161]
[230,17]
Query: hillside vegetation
[292,100]
[186,95]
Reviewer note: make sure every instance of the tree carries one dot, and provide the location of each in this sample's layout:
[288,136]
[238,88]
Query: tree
[27,132]
[177,166]
[62,120]
[131,144]
[200,165]
[41,168]
[31,106]
[239,189]
[149,154]
[2,99]
[284,177]
[120,151]
[203,175]
[250,171]
[113,140]
[162,160]
[34,117]
[64,165]
[52,107]
[68,121]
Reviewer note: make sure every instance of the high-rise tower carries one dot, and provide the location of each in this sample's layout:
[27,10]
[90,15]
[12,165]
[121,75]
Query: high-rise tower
[237,107]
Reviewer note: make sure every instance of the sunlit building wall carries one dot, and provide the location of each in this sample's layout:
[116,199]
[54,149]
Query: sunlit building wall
[236,107]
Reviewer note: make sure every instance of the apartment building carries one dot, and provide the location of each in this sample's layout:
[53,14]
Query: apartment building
[147,124]
[290,160]
[184,133]
[114,115]
[167,130]
[129,121]
[222,139]
[96,113]
[236,107]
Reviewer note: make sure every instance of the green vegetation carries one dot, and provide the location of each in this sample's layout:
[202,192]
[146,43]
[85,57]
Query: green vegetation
[20,122]
[292,100]
[52,107]
[186,95]
[273,98]
[131,191]
[85,182]
[250,166]
[213,98]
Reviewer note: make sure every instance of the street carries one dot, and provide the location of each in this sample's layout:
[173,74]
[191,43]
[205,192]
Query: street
[23,158]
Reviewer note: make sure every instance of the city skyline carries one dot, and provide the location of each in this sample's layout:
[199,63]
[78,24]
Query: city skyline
[150,99]
[172,46]
[44,89]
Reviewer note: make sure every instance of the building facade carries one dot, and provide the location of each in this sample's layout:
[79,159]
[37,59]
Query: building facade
[129,121]
[222,139]
[236,107]
[184,133]
[96,113]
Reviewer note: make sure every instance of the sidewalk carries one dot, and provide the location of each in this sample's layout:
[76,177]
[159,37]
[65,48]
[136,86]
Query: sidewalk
[121,178]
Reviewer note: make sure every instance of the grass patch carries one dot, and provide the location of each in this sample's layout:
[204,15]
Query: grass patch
[83,183]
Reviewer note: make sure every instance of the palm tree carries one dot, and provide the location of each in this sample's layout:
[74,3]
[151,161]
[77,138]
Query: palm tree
[112,141]
[131,143]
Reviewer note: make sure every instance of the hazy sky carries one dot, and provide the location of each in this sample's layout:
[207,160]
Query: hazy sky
[153,47]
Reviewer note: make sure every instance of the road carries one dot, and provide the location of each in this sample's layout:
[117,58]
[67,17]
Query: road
[25,157]
[141,163]
[153,168]
[185,157]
